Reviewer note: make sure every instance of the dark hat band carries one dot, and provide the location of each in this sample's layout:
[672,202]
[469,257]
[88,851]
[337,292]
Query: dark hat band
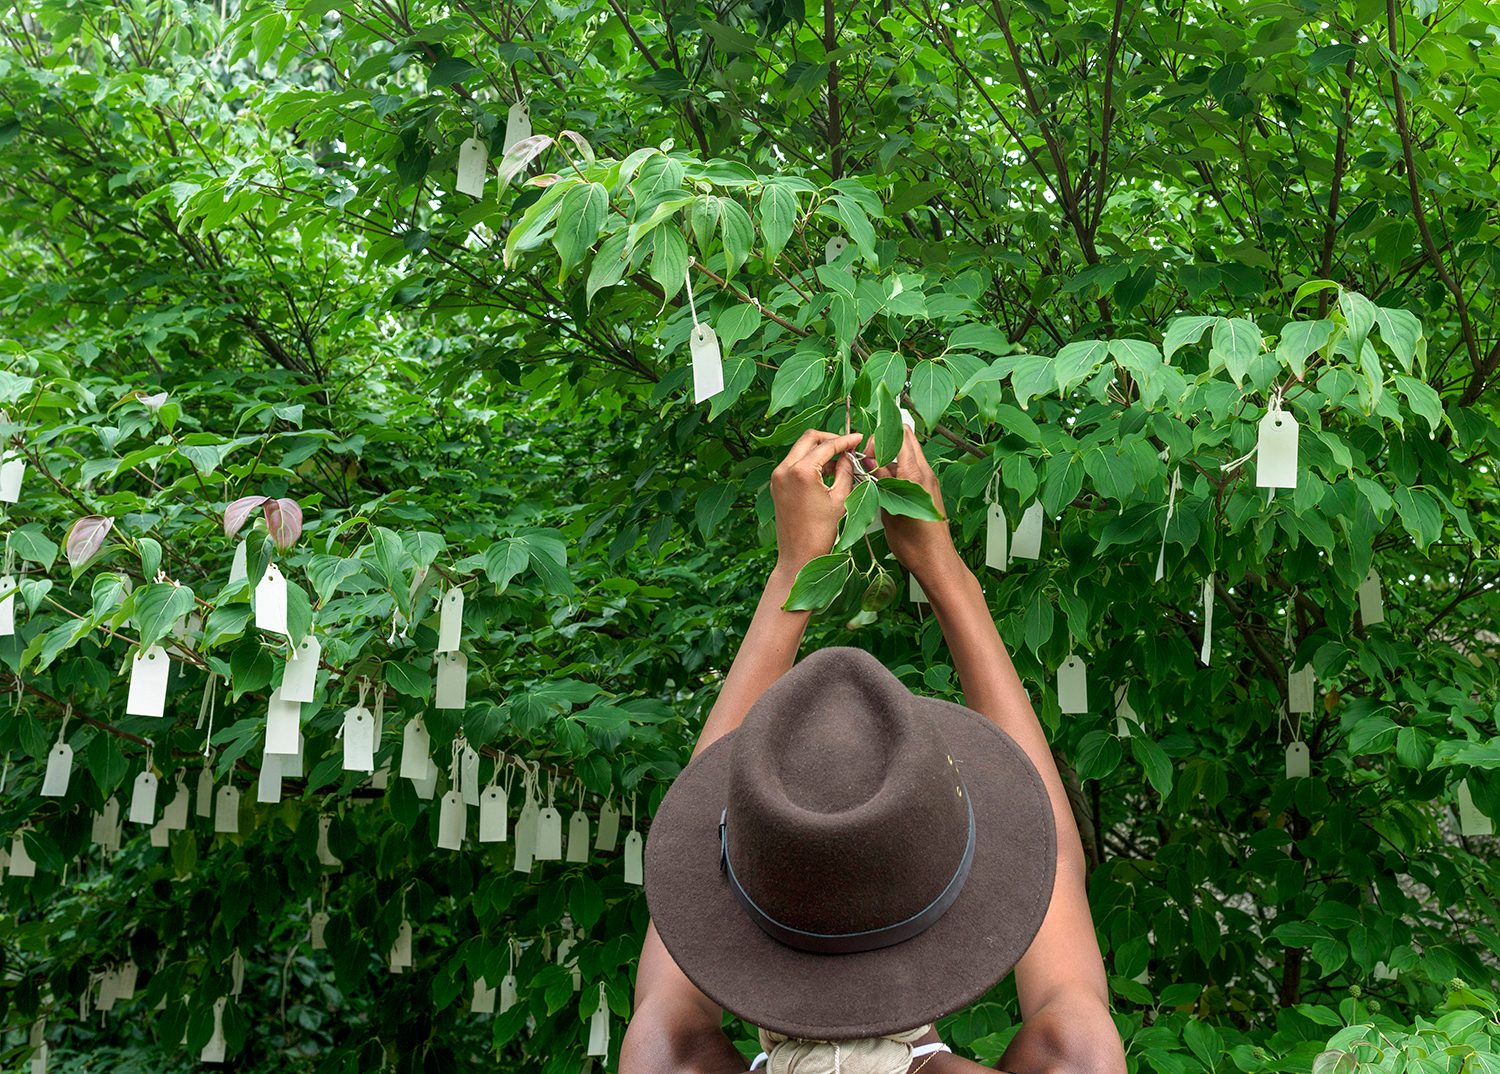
[845,943]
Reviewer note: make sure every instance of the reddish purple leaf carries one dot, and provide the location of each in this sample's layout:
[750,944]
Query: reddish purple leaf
[86,538]
[236,513]
[284,520]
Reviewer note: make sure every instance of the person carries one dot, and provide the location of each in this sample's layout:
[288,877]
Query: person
[790,766]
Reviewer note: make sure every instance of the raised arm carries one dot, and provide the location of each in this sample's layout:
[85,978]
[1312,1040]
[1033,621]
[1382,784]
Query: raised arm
[676,1028]
[1060,981]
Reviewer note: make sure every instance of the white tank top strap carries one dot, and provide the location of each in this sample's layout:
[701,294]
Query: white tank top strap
[759,1059]
[916,1053]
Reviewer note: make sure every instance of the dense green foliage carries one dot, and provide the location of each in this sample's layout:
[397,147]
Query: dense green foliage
[1086,245]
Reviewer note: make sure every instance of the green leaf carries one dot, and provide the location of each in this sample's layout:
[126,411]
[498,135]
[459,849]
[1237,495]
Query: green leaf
[860,509]
[1298,340]
[1237,341]
[819,583]
[669,259]
[1037,623]
[579,219]
[1311,287]
[1423,400]
[901,497]
[31,544]
[1419,516]
[1154,761]
[981,337]
[738,234]
[505,559]
[778,216]
[327,573]
[1402,333]
[889,429]
[797,378]
[1359,313]
[713,508]
[1182,331]
[451,69]
[1076,361]
[1098,755]
[931,391]
[405,679]
[609,267]
[158,606]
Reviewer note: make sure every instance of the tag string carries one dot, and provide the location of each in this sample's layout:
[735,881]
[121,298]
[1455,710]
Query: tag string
[688,276]
[62,732]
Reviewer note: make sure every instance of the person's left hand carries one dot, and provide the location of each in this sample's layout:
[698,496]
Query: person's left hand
[808,511]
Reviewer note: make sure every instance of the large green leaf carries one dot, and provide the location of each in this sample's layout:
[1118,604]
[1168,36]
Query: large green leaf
[819,582]
[579,218]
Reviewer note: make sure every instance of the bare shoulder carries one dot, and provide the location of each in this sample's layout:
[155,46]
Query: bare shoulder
[1071,1034]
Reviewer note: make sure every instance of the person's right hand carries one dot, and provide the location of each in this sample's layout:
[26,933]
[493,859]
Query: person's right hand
[808,512]
[918,544]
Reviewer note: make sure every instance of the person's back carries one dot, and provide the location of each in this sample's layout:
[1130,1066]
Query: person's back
[843,861]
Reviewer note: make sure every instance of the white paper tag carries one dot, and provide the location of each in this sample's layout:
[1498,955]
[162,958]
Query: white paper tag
[1124,714]
[59,771]
[416,751]
[634,859]
[268,789]
[473,158]
[401,949]
[1027,542]
[1276,451]
[1300,686]
[270,602]
[1073,685]
[451,621]
[175,816]
[484,999]
[110,983]
[599,1028]
[315,933]
[125,983]
[578,837]
[526,836]
[451,822]
[7,606]
[609,828]
[236,973]
[325,856]
[148,682]
[517,124]
[831,250]
[291,763]
[468,775]
[914,590]
[11,473]
[1208,618]
[20,861]
[1382,972]
[239,571]
[507,992]
[227,809]
[1371,600]
[1297,760]
[452,689]
[143,799]
[359,740]
[906,418]
[548,835]
[283,723]
[205,804]
[1174,487]
[426,788]
[105,822]
[996,534]
[39,1059]
[160,834]
[1470,820]
[299,682]
[708,364]
[213,1051]
[493,820]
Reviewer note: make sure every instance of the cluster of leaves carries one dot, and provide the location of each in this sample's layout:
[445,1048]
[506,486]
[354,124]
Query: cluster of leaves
[1085,251]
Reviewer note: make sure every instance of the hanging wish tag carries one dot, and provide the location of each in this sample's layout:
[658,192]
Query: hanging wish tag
[996,532]
[831,250]
[283,723]
[609,828]
[1027,542]
[7,606]
[205,804]
[517,124]
[175,816]
[270,602]
[11,472]
[1208,618]
[1470,820]
[1276,451]
[914,590]
[634,859]
[105,822]
[493,820]
[468,775]
[427,787]
[452,689]
[1124,715]
[451,621]
[507,992]
[473,161]
[143,799]
[148,682]
[20,861]
[239,571]
[227,809]
[291,763]
[548,835]
[300,681]
[1371,601]
[268,789]
[1298,762]
[59,771]
[451,822]
[1300,688]
[359,740]
[315,934]
[401,949]
[708,364]
[125,986]
[416,751]
[578,837]
[484,998]
[160,834]
[526,836]
[1073,685]
[325,855]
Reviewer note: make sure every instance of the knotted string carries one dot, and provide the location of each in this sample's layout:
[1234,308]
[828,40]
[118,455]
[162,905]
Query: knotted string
[890,1054]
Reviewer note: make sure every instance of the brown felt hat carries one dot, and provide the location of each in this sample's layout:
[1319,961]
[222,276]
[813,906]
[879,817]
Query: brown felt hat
[854,860]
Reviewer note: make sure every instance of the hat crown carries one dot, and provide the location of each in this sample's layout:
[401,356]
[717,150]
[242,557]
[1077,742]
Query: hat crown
[845,811]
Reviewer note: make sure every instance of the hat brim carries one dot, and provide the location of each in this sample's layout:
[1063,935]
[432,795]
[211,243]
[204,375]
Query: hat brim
[871,993]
